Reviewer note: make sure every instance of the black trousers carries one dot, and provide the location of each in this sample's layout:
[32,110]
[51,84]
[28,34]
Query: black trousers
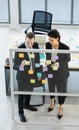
[61,88]
[23,100]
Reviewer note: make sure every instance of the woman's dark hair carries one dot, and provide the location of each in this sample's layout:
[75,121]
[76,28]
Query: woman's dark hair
[54,33]
[30,35]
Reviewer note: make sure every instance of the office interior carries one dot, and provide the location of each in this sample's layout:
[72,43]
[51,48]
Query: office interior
[17,16]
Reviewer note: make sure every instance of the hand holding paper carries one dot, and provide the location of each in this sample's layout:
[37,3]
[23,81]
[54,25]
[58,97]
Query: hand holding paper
[55,66]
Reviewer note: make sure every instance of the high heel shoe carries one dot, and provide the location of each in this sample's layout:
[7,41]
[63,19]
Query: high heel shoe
[51,109]
[60,116]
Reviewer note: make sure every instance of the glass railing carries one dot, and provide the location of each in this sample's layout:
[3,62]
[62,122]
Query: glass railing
[42,75]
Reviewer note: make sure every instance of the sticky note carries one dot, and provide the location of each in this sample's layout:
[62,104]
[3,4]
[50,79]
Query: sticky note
[21,68]
[76,56]
[32,56]
[55,57]
[45,69]
[48,62]
[37,65]
[55,68]
[30,71]
[44,81]
[50,75]
[27,62]
[42,55]
[77,46]
[21,55]
[32,81]
[39,74]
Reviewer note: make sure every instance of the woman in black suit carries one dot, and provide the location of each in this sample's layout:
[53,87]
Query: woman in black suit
[58,67]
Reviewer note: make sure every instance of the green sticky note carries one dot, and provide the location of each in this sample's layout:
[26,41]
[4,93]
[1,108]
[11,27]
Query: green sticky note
[32,81]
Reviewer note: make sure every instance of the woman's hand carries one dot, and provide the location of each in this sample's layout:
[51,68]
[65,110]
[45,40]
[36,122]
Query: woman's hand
[55,66]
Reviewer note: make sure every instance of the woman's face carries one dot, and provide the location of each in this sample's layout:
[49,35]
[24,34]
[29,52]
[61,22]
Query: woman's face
[54,41]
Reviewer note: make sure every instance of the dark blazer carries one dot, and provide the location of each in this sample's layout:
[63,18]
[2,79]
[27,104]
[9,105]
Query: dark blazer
[63,59]
[23,75]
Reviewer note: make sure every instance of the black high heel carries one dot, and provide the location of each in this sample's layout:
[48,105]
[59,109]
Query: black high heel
[60,116]
[51,109]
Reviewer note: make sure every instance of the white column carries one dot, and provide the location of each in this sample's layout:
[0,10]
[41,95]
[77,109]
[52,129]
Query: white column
[14,14]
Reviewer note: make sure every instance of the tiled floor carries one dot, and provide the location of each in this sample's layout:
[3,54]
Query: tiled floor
[41,120]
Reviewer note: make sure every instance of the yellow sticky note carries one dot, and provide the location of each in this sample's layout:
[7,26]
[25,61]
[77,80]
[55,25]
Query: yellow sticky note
[27,62]
[44,81]
[30,71]
[76,56]
[32,56]
[32,81]
[55,68]
[48,62]
[21,55]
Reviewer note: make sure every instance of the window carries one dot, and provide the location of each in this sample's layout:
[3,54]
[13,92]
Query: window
[64,11]
[27,7]
[4,11]
[75,12]
[61,10]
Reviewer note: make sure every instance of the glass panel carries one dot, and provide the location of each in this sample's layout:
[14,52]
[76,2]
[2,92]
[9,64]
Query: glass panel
[4,10]
[75,10]
[42,72]
[61,10]
[27,9]
[57,75]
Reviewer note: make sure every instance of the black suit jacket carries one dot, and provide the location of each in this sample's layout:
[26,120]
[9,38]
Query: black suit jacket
[23,75]
[63,59]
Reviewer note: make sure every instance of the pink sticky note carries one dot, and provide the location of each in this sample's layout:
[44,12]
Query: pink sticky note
[55,57]
[45,69]
[21,68]
[50,75]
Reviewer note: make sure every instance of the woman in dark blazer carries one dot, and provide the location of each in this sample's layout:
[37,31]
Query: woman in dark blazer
[58,67]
